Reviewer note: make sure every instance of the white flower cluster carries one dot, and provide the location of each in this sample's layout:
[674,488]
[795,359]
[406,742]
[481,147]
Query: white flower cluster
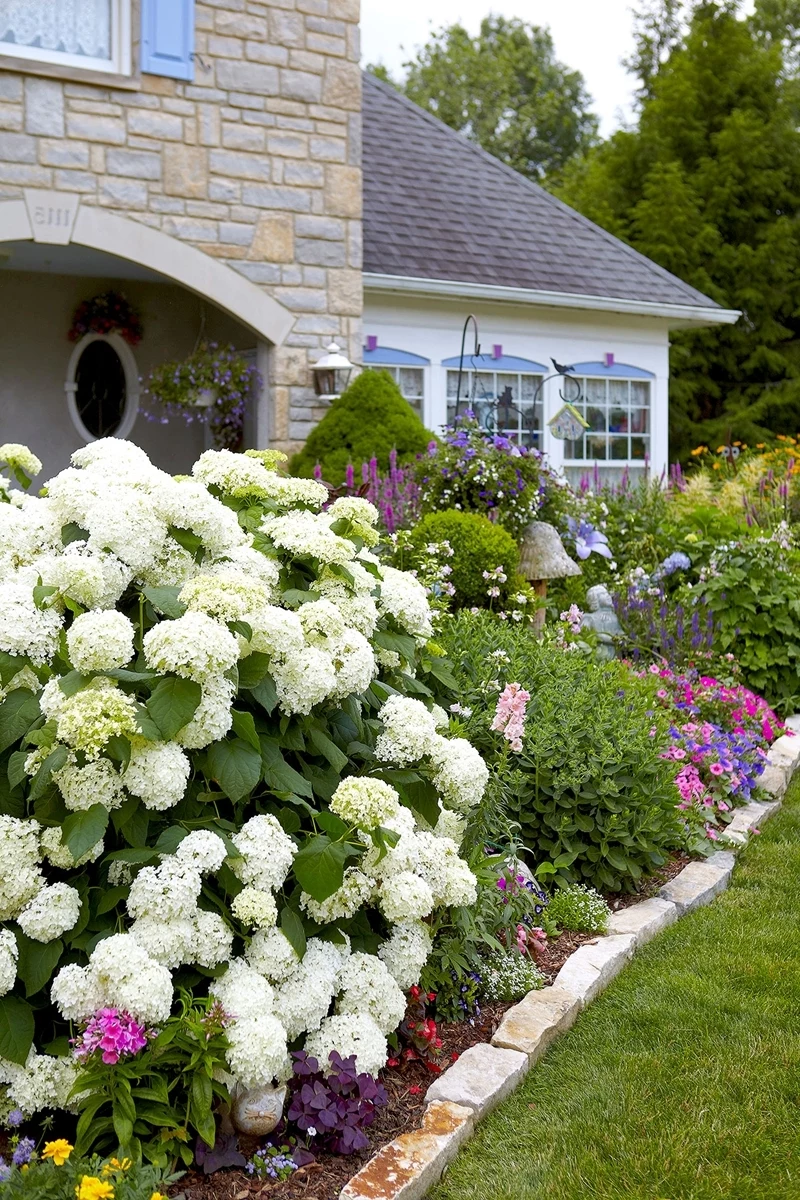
[120,974]
[214,600]
[44,1082]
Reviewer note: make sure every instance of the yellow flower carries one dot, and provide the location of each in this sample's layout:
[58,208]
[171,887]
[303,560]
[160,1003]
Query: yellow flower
[92,1188]
[716,466]
[114,1164]
[721,449]
[59,1151]
[158,1196]
[760,445]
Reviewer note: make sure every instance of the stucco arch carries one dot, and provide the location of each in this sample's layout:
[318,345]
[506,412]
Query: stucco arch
[99,229]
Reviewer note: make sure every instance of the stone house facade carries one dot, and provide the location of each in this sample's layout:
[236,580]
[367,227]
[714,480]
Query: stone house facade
[253,163]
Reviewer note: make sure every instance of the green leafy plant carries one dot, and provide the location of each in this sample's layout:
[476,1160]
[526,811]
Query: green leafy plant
[56,1173]
[592,795]
[752,588]
[578,908]
[155,1103]
[485,557]
[367,421]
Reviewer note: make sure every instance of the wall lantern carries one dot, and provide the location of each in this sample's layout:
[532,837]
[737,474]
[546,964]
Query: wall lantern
[332,373]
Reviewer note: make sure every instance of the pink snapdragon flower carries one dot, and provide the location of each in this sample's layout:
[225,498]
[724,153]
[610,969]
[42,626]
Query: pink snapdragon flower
[115,1033]
[509,717]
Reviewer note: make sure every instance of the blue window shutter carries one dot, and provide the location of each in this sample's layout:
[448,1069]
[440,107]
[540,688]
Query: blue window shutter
[168,38]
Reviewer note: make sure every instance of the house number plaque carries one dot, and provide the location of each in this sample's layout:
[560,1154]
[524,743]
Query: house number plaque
[52,215]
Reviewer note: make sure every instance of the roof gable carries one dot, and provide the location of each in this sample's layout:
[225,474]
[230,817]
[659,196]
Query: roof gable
[436,206]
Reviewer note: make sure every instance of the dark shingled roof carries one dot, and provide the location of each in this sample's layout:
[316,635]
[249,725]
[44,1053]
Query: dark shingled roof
[436,206]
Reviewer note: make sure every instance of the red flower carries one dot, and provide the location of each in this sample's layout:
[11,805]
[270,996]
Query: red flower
[393,1062]
[415,1091]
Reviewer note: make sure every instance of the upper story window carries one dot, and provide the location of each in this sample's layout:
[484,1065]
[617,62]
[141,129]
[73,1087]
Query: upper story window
[92,34]
[406,369]
[503,393]
[616,403]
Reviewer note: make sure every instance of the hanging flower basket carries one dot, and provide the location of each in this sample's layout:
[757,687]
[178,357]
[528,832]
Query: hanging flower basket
[210,387]
[110,312]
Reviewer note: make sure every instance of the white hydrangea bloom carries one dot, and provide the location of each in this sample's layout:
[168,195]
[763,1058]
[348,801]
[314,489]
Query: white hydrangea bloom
[20,878]
[126,523]
[322,623]
[233,474]
[225,595]
[364,802]
[266,851]
[44,1082]
[357,608]
[15,454]
[368,987]
[271,954]
[212,718]
[406,952]
[25,629]
[304,998]
[303,679]
[168,891]
[251,563]
[213,939]
[167,942]
[9,954]
[186,504]
[242,992]
[460,774]
[276,631]
[403,597]
[361,513]
[257,1052]
[448,876]
[451,825]
[100,641]
[345,901]
[405,897]
[350,1033]
[409,731]
[194,645]
[255,908]
[52,911]
[157,773]
[96,783]
[308,535]
[120,974]
[90,717]
[202,850]
[355,664]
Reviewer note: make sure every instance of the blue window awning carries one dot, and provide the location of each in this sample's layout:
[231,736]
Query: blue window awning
[506,362]
[385,356]
[599,370]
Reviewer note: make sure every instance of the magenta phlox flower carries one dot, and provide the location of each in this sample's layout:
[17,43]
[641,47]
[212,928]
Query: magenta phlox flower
[509,717]
[116,1034]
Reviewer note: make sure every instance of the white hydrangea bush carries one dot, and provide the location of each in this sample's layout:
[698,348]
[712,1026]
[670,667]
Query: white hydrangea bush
[221,762]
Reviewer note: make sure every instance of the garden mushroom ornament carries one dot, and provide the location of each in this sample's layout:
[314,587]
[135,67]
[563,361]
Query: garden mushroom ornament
[543,557]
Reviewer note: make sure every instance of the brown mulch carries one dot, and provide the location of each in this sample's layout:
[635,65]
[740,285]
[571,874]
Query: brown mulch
[649,887]
[406,1086]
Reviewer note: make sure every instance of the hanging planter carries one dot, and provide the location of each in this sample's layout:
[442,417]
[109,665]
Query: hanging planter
[210,387]
[110,312]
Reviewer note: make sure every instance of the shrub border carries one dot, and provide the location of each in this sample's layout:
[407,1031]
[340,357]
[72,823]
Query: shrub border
[487,1073]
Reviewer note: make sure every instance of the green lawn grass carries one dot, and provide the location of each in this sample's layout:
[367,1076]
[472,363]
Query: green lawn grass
[682,1081]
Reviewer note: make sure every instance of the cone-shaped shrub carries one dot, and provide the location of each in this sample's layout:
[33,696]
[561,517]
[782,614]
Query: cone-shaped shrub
[367,421]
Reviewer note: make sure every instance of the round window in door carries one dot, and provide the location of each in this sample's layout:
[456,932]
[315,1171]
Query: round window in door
[102,387]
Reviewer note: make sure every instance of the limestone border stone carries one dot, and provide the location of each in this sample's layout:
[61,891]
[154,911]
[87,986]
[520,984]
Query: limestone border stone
[486,1074]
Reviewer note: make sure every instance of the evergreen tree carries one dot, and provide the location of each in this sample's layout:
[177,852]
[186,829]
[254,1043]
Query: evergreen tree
[708,185]
[506,90]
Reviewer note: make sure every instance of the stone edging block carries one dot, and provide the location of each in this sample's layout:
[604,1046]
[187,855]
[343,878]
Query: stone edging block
[480,1078]
[536,1021]
[644,920]
[408,1167]
[594,965]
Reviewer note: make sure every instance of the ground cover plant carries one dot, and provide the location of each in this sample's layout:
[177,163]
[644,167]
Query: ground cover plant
[222,820]
[680,1080]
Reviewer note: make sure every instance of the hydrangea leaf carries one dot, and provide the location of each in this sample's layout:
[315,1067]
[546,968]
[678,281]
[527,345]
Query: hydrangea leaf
[37,961]
[292,927]
[278,775]
[328,749]
[82,830]
[17,713]
[235,766]
[319,867]
[54,762]
[253,669]
[245,727]
[16,1029]
[165,600]
[173,703]
[265,694]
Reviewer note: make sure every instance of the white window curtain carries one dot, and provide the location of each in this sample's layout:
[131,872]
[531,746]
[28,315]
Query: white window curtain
[79,27]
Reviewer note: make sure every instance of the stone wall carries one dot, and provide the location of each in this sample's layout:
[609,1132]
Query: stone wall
[257,162]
